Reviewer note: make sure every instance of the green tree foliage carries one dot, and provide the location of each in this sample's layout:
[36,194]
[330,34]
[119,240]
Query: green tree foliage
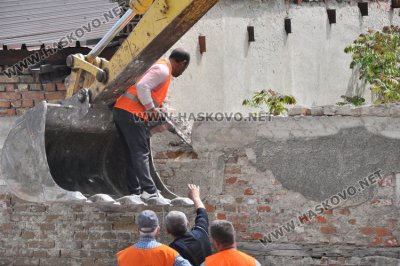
[274,101]
[354,100]
[378,56]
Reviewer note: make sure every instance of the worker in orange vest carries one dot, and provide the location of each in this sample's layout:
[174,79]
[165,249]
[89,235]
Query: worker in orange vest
[132,112]
[148,251]
[223,239]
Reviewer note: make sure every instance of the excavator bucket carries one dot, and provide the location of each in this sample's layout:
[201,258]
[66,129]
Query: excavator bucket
[67,152]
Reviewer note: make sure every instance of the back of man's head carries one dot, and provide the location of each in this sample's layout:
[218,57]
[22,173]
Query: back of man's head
[176,223]
[180,55]
[223,233]
[148,223]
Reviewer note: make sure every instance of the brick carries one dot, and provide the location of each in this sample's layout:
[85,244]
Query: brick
[124,236]
[377,241]
[109,235]
[160,155]
[30,95]
[249,191]
[60,87]
[23,87]
[81,235]
[7,112]
[320,219]
[12,79]
[6,227]
[232,159]
[386,182]
[53,96]
[26,79]
[10,95]
[5,197]
[231,180]
[239,200]
[47,226]
[46,244]
[21,207]
[21,111]
[49,87]
[209,207]
[328,229]
[16,103]
[124,226]
[35,87]
[26,262]
[10,87]
[344,211]
[38,208]
[254,236]
[383,232]
[27,103]
[352,221]
[2,87]
[40,254]
[5,104]
[230,207]
[242,182]
[392,242]
[381,202]
[240,227]
[221,216]
[27,235]
[264,208]
[367,230]
[232,169]
[242,208]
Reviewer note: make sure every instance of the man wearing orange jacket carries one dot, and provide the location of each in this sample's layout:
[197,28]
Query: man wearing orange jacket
[148,251]
[132,112]
[223,239]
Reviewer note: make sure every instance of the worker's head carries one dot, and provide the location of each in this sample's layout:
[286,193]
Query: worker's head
[179,59]
[222,235]
[176,223]
[148,224]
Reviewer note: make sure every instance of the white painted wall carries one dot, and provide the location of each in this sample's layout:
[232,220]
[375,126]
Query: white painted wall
[309,63]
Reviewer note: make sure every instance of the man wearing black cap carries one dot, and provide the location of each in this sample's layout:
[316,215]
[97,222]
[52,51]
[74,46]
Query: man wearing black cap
[148,251]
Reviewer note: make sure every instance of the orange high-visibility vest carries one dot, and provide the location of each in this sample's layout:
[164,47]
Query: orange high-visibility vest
[230,257]
[129,101]
[161,255]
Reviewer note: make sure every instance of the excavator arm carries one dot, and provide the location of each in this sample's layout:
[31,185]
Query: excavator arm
[71,151]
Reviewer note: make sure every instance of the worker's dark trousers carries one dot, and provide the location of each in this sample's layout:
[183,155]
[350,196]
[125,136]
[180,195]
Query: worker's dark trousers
[134,132]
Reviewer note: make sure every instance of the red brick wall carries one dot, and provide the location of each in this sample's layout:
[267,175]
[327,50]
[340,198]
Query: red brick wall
[19,93]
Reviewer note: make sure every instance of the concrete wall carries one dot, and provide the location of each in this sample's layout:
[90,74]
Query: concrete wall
[309,63]
[259,175]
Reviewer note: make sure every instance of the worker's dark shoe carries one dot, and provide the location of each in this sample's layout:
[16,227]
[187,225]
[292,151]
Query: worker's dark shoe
[155,199]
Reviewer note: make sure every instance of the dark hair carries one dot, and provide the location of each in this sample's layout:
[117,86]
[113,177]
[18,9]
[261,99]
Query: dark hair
[222,232]
[180,55]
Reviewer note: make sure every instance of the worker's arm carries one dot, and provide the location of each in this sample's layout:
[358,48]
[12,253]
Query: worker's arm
[194,194]
[180,261]
[201,222]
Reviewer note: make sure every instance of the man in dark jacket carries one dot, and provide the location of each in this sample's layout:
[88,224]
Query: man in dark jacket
[193,245]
